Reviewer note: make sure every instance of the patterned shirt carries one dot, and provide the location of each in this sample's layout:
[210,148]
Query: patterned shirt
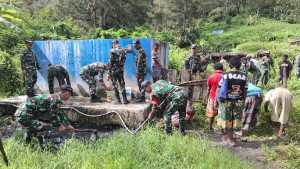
[29,60]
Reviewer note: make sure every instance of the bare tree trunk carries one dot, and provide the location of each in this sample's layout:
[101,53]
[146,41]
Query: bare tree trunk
[102,17]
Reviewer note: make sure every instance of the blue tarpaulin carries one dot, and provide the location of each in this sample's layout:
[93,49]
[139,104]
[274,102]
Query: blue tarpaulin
[74,54]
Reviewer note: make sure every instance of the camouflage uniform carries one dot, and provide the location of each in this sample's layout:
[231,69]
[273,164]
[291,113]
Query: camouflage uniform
[176,98]
[60,73]
[88,72]
[28,113]
[116,64]
[266,68]
[255,71]
[193,62]
[141,66]
[29,63]
[297,67]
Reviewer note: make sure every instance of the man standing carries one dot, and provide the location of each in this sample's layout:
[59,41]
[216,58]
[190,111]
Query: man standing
[116,64]
[157,68]
[248,66]
[233,85]
[29,64]
[28,113]
[297,66]
[224,63]
[267,63]
[279,97]
[212,84]
[175,98]
[88,72]
[141,68]
[287,65]
[60,73]
[193,60]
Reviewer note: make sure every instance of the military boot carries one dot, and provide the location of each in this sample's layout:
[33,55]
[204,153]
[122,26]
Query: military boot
[141,98]
[118,101]
[40,140]
[125,101]
[95,99]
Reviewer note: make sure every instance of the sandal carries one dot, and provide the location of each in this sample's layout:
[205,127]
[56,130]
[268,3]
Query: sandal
[228,143]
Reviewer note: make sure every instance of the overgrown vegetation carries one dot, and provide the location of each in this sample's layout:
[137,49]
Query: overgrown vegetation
[148,149]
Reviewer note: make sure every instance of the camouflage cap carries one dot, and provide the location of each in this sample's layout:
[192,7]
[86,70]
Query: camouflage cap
[136,42]
[66,88]
[28,42]
[115,41]
[194,46]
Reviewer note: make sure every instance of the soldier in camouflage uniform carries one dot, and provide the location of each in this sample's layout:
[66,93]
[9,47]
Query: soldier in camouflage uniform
[267,63]
[116,64]
[88,72]
[297,66]
[193,60]
[60,73]
[141,68]
[175,98]
[29,64]
[28,113]
[248,66]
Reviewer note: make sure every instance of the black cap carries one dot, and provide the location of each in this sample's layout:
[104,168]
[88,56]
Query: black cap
[28,42]
[136,42]
[194,46]
[66,88]
[244,58]
[115,41]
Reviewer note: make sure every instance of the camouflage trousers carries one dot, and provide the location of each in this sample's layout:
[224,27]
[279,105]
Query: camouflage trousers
[90,81]
[61,81]
[178,103]
[264,78]
[27,119]
[255,78]
[118,78]
[30,81]
[140,79]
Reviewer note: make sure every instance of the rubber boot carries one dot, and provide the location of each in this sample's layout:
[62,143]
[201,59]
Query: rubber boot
[118,101]
[28,140]
[125,101]
[28,94]
[141,98]
[40,140]
[95,99]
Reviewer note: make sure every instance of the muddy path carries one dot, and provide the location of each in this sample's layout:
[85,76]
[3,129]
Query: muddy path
[249,150]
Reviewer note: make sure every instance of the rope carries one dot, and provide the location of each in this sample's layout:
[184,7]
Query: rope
[111,112]
[94,116]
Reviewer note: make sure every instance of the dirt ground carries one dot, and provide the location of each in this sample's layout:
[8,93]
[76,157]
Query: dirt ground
[250,150]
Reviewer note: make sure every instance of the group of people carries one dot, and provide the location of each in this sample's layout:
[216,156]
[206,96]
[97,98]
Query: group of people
[230,96]
[114,67]
[29,112]
[263,74]
[236,102]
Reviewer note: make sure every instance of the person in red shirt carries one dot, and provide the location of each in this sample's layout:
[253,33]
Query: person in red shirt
[212,84]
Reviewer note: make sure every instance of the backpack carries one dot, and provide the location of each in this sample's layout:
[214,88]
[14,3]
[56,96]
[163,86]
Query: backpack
[222,95]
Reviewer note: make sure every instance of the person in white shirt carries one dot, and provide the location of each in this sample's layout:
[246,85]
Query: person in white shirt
[279,97]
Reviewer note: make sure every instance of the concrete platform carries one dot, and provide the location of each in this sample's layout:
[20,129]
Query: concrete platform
[132,113]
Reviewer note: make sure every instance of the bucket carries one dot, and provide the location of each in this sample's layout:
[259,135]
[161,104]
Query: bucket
[128,93]
[110,96]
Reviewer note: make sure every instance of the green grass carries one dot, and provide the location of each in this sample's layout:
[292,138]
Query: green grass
[148,149]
